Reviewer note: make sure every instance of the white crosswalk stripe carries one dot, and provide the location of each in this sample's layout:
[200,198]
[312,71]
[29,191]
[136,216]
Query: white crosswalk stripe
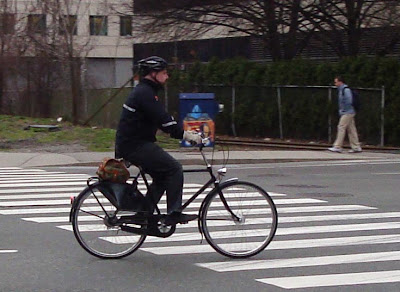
[51,175]
[334,279]
[277,244]
[254,211]
[304,223]
[20,170]
[280,231]
[40,190]
[295,219]
[194,205]
[41,179]
[302,262]
[8,251]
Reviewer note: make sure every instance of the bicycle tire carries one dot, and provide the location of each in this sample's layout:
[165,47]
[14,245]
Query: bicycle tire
[257,225]
[92,231]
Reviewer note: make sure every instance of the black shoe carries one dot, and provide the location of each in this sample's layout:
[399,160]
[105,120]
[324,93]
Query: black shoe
[129,219]
[178,217]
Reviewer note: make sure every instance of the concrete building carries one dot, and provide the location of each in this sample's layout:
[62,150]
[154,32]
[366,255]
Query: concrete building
[101,29]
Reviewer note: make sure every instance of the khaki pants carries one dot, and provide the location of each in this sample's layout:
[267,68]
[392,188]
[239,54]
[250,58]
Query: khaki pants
[347,123]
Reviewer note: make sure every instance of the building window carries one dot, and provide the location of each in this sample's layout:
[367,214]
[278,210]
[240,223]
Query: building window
[37,23]
[98,25]
[125,25]
[7,23]
[68,24]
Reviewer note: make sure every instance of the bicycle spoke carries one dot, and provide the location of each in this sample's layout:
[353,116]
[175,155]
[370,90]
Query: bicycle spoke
[91,234]
[237,209]
[90,213]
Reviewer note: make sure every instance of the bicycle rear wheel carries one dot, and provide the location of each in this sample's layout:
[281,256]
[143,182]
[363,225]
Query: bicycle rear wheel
[91,225]
[248,229]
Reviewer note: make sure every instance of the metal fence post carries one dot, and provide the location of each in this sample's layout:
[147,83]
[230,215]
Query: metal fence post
[166,97]
[280,112]
[233,111]
[330,116]
[383,116]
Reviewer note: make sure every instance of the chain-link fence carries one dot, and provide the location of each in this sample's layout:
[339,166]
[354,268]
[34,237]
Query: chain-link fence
[289,111]
[285,112]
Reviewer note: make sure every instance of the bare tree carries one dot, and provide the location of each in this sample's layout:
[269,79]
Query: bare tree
[342,24]
[279,25]
[59,44]
[284,27]
[12,47]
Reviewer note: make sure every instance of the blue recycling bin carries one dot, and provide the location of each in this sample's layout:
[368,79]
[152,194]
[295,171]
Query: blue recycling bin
[197,112]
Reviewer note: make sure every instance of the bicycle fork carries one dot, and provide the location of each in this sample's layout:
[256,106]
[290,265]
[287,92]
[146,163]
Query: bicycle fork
[224,202]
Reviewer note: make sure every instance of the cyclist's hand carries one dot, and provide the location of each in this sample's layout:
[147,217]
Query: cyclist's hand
[192,136]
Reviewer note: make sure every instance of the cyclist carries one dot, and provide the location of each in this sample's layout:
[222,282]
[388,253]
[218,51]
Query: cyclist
[142,115]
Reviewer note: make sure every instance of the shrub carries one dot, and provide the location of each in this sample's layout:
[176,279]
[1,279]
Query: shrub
[256,106]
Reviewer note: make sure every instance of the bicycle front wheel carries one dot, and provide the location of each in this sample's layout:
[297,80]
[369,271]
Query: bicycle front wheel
[240,220]
[91,222]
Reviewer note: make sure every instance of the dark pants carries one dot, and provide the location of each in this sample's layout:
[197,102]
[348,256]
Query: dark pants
[166,172]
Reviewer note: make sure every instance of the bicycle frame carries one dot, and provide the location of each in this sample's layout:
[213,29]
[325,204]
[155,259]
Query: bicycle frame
[212,181]
[142,221]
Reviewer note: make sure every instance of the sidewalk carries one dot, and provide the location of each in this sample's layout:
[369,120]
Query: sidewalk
[192,157]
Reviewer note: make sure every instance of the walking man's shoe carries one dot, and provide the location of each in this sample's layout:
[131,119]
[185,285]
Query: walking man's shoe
[335,149]
[355,150]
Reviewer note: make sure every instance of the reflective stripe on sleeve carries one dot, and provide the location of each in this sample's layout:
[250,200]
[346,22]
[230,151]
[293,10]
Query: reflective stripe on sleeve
[169,124]
[129,108]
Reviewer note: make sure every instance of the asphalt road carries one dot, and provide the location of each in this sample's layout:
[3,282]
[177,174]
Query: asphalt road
[348,239]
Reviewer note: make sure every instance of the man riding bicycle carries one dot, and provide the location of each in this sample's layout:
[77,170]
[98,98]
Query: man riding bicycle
[142,115]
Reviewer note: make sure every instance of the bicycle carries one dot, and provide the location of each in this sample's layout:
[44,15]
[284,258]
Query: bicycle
[120,216]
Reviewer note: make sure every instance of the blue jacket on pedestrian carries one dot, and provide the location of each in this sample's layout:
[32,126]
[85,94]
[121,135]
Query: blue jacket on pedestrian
[345,98]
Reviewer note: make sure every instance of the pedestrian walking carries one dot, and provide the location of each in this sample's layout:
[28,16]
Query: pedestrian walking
[346,121]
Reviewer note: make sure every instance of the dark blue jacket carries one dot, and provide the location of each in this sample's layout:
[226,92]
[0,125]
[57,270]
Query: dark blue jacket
[142,115]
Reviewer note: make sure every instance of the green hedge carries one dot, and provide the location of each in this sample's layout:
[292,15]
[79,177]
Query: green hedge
[305,113]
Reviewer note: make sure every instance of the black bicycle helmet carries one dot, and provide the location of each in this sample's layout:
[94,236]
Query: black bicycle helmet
[151,64]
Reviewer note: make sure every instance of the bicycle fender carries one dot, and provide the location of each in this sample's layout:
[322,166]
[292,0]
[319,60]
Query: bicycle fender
[230,180]
[76,200]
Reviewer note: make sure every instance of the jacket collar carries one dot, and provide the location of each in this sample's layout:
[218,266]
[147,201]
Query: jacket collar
[152,84]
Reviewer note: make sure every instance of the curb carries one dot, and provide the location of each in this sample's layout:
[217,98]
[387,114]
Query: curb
[199,162]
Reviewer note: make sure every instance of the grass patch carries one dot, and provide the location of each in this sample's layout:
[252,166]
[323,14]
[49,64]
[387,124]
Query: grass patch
[13,135]
[166,142]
